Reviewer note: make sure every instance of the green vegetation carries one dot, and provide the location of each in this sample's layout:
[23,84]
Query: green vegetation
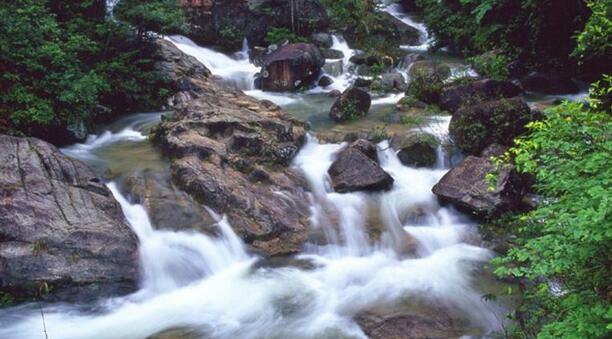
[539,34]
[280,35]
[160,16]
[491,65]
[425,86]
[563,247]
[60,62]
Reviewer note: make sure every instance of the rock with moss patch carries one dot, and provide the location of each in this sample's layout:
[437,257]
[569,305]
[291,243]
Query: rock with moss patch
[429,68]
[291,67]
[475,127]
[453,97]
[478,186]
[418,150]
[352,104]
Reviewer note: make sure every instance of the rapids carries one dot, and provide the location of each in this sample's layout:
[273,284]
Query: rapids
[423,257]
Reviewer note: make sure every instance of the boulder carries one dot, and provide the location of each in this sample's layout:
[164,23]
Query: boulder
[384,27]
[362,82]
[353,170]
[549,83]
[334,93]
[322,40]
[232,153]
[291,66]
[61,230]
[499,121]
[393,81]
[494,150]
[411,58]
[352,104]
[468,188]
[333,67]
[429,68]
[330,53]
[453,97]
[358,59]
[325,81]
[168,207]
[418,150]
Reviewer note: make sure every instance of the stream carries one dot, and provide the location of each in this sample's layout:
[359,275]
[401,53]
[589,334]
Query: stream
[212,287]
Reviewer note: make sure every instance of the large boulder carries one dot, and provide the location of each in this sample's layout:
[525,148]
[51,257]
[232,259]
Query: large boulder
[322,40]
[392,81]
[355,170]
[499,121]
[352,104]
[61,230]
[468,187]
[453,97]
[549,83]
[231,153]
[291,66]
[407,326]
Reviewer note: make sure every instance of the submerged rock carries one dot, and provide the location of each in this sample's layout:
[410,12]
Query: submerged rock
[354,170]
[406,326]
[453,97]
[475,127]
[231,153]
[467,187]
[61,230]
[291,66]
[352,104]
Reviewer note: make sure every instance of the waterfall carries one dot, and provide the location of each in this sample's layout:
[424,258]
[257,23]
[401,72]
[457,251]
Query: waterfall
[425,39]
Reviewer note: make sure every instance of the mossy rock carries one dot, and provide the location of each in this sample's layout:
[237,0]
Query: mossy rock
[418,150]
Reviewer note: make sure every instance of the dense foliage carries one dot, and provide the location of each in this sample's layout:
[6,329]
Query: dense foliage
[63,64]
[160,16]
[564,246]
[538,33]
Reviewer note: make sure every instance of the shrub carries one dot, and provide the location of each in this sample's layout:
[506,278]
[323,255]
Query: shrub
[280,35]
[563,247]
[493,66]
[425,86]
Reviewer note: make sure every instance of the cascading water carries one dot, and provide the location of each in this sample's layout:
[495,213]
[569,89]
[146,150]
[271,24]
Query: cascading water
[212,286]
[396,11]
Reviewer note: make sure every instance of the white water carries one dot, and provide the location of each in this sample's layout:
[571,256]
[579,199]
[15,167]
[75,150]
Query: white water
[237,71]
[210,284]
[396,10]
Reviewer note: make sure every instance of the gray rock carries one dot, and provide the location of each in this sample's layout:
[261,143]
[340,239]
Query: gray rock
[354,170]
[352,104]
[329,53]
[60,227]
[231,153]
[333,67]
[430,68]
[393,81]
[325,81]
[291,66]
[549,83]
[322,40]
[453,97]
[418,150]
[466,186]
[475,127]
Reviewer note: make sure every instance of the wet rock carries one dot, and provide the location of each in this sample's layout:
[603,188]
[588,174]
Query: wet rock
[329,53]
[322,40]
[453,97]
[257,55]
[411,58]
[325,81]
[362,82]
[334,93]
[418,150]
[352,104]
[475,127]
[168,207]
[393,81]
[467,187]
[353,170]
[333,67]
[366,147]
[291,66]
[60,227]
[429,68]
[231,153]
[358,59]
[549,83]
[406,326]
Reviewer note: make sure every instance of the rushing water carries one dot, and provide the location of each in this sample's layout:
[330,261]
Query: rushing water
[381,250]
